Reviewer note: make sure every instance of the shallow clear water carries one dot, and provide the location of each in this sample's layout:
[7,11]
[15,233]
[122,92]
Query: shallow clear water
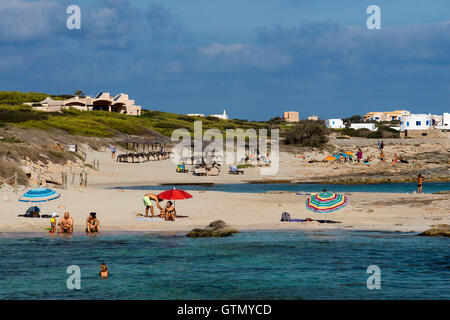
[250,265]
[306,187]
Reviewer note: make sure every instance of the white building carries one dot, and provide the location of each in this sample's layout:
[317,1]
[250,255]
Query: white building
[416,122]
[445,121]
[370,126]
[195,114]
[223,116]
[334,123]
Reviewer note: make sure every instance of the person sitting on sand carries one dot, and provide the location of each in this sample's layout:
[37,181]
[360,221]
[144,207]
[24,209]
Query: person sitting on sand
[420,180]
[104,273]
[148,198]
[382,156]
[92,223]
[65,224]
[169,212]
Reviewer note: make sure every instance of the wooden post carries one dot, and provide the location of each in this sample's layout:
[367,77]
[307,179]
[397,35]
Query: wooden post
[98,165]
[66,181]
[81,179]
[15,182]
[85,179]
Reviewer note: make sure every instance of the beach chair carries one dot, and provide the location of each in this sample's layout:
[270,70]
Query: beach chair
[200,171]
[235,170]
[214,170]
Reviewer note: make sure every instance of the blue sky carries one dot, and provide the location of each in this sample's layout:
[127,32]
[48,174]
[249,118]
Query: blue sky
[256,58]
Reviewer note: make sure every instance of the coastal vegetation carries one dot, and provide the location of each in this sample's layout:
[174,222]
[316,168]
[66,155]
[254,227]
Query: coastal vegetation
[107,124]
[307,134]
[18,98]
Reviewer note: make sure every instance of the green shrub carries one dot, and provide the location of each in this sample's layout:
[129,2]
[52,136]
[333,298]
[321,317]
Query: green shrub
[307,134]
[374,135]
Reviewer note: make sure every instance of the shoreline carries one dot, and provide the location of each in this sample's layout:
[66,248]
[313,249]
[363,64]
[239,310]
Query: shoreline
[78,234]
[293,182]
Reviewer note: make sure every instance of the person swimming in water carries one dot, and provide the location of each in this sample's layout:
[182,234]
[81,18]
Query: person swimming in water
[104,272]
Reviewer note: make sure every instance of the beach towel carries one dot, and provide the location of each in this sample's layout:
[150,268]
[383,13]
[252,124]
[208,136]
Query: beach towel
[320,221]
[41,216]
[149,219]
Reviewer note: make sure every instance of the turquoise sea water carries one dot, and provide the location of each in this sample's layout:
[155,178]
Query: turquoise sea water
[306,187]
[249,265]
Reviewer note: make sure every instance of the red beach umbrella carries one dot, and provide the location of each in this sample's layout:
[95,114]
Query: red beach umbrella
[174,194]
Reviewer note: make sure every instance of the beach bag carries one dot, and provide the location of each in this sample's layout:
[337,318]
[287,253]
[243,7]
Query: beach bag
[32,212]
[285,216]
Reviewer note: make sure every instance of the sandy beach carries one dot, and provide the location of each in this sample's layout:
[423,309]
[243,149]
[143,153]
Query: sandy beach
[118,209]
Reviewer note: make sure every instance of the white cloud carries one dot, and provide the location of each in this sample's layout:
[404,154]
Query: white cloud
[26,21]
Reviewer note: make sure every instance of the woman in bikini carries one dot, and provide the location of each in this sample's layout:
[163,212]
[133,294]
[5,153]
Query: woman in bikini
[170,212]
[92,223]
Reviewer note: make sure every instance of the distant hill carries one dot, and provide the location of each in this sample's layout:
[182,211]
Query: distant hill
[101,123]
[18,98]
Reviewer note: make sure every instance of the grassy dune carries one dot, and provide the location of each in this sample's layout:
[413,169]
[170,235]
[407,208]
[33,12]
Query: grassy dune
[108,124]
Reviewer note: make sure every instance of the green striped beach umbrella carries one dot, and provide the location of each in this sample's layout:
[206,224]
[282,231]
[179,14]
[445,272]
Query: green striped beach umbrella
[326,202]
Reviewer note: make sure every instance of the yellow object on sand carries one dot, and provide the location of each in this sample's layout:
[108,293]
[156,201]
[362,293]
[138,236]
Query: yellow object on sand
[330,158]
[349,153]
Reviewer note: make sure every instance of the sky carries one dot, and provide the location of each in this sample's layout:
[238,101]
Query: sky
[254,58]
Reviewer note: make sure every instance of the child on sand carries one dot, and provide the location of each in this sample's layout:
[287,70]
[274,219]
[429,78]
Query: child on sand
[52,224]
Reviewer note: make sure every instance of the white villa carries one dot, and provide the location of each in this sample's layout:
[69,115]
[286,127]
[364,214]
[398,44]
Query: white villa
[222,116]
[334,123]
[370,126]
[103,101]
[416,122]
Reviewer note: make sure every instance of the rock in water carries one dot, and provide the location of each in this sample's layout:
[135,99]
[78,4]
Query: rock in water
[437,230]
[216,228]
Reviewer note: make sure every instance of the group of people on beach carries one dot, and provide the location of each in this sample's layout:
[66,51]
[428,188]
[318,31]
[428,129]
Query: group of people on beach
[168,213]
[66,224]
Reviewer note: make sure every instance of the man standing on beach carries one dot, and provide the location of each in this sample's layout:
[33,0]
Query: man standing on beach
[420,180]
[148,202]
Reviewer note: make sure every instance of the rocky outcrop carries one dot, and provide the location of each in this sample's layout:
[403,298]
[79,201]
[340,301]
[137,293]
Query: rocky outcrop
[442,192]
[437,230]
[216,228]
